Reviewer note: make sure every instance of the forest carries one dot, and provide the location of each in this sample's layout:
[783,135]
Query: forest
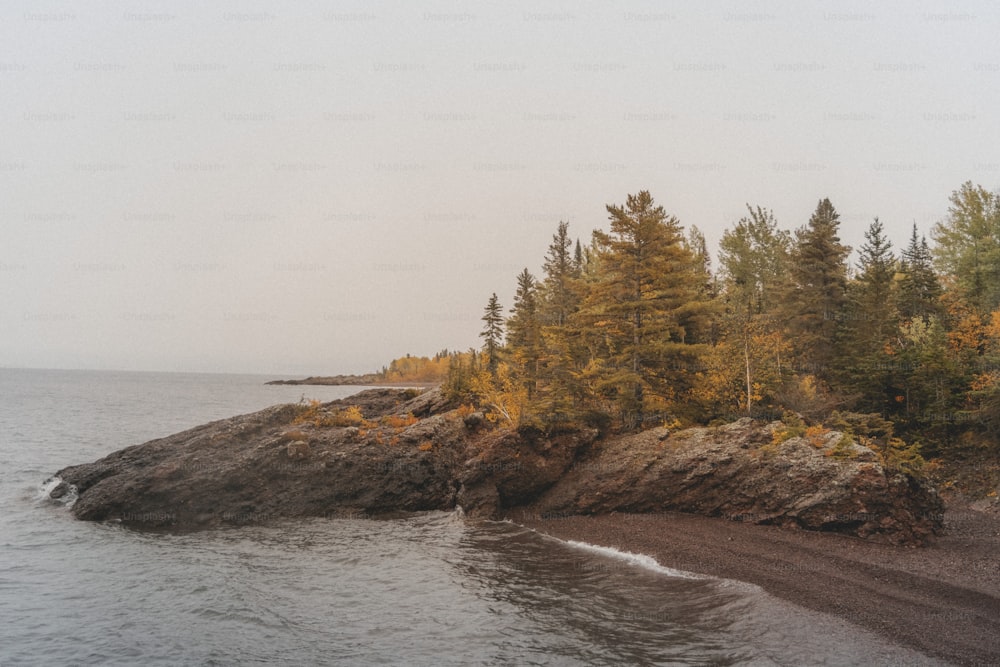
[635,328]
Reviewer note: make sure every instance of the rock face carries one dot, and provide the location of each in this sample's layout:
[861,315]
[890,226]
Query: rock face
[738,472]
[398,452]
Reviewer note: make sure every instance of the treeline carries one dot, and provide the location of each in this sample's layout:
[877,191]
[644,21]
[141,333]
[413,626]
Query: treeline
[636,327]
[423,370]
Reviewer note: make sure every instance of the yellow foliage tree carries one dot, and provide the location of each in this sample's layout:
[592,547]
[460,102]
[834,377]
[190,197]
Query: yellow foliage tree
[503,395]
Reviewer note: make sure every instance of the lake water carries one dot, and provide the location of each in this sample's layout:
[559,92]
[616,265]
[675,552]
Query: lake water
[429,589]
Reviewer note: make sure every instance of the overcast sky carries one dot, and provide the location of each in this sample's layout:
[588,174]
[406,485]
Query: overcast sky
[318,188]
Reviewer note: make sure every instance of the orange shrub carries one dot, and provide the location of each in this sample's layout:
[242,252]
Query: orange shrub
[815,434]
[399,421]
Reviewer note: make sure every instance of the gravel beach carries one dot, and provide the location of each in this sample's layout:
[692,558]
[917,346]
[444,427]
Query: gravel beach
[942,600]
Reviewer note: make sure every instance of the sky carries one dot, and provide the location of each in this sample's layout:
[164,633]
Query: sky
[320,187]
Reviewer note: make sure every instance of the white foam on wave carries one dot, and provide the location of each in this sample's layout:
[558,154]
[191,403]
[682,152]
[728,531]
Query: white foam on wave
[49,485]
[639,560]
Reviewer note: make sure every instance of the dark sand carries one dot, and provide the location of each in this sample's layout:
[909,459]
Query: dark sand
[943,600]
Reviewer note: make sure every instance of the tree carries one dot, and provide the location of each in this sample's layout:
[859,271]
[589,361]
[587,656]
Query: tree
[754,256]
[644,305]
[524,331]
[867,368]
[754,259]
[578,260]
[819,295]
[492,333]
[968,244]
[919,289]
[558,299]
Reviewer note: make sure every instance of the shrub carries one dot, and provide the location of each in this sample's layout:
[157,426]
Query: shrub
[792,427]
[876,433]
[816,435]
[399,421]
[312,414]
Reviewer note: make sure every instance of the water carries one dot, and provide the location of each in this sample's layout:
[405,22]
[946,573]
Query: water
[430,589]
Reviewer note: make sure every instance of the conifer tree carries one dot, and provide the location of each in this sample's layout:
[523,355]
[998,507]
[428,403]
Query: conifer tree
[645,304]
[919,289]
[558,299]
[524,331]
[492,333]
[819,294]
[867,369]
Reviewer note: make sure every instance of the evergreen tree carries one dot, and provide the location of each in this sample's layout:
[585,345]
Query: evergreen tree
[867,368]
[645,304]
[524,330]
[492,333]
[819,293]
[919,289]
[558,298]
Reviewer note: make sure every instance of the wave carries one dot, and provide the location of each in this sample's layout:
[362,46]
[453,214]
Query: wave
[643,561]
[48,486]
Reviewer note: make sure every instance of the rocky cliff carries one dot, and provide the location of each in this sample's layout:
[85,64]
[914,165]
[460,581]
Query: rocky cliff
[385,450]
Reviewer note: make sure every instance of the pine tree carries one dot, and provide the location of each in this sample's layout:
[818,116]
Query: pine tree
[867,369]
[919,289]
[645,304]
[524,331]
[558,298]
[492,333]
[819,294]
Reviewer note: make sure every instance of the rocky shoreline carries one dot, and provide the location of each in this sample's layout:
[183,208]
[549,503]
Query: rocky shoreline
[389,450]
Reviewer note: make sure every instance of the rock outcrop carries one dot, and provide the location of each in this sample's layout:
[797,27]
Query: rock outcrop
[823,482]
[387,450]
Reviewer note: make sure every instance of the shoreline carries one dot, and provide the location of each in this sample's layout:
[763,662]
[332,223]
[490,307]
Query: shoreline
[322,382]
[941,600]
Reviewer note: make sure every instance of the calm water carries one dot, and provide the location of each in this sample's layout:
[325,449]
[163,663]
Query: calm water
[431,589]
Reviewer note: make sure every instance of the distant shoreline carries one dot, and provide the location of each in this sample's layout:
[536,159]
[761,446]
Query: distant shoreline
[352,381]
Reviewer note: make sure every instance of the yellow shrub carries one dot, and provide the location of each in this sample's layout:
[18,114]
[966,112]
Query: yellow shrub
[815,435]
[311,414]
[349,417]
[399,421]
